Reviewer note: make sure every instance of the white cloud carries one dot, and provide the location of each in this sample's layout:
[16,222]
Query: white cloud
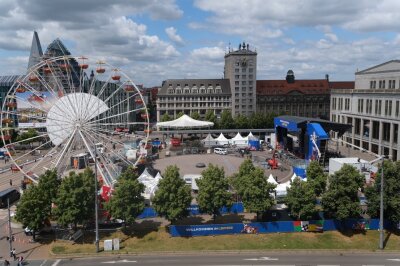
[173,36]
[209,53]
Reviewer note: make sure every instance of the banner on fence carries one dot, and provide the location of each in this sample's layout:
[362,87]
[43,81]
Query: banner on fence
[308,226]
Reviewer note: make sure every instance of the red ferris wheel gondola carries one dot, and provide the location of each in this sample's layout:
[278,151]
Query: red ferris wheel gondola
[83,65]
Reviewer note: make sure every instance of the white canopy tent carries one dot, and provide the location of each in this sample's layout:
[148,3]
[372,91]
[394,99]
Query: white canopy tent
[222,140]
[209,141]
[150,183]
[281,189]
[238,140]
[185,121]
[272,180]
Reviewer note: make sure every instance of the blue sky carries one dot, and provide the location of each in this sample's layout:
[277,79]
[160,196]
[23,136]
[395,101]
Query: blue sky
[154,40]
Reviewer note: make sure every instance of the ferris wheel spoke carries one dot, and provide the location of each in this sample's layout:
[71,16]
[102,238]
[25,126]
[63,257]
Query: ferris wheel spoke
[117,115]
[66,147]
[29,139]
[43,83]
[106,177]
[117,90]
[90,134]
[35,149]
[50,154]
[96,132]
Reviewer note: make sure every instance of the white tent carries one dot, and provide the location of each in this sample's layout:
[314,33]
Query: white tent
[150,183]
[222,140]
[185,121]
[250,136]
[281,189]
[272,180]
[238,140]
[209,141]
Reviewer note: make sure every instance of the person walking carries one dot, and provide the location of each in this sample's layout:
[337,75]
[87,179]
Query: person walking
[10,182]
[13,254]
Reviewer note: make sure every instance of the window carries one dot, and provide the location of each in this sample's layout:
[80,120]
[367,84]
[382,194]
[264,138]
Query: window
[357,122]
[360,105]
[250,88]
[347,104]
[381,84]
[243,70]
[236,82]
[378,107]
[237,63]
[236,70]
[250,70]
[392,84]
[236,76]
[386,132]
[250,82]
[250,76]
[250,62]
[397,108]
[244,82]
[375,129]
[243,76]
[388,108]
[369,106]
[334,103]
[236,89]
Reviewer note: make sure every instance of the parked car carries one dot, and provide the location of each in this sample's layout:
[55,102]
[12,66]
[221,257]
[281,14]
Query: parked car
[222,151]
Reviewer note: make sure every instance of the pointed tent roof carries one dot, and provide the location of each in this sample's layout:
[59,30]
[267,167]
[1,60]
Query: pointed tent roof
[158,177]
[272,180]
[145,176]
[36,51]
[185,121]
[209,138]
[238,137]
[221,137]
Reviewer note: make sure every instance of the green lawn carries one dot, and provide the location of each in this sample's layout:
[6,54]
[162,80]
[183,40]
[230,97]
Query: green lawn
[161,241]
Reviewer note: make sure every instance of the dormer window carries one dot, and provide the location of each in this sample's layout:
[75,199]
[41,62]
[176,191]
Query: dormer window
[218,89]
[186,89]
[170,90]
[195,90]
[210,89]
[202,89]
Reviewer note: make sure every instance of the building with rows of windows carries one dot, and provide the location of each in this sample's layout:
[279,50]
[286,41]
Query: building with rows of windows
[193,95]
[372,108]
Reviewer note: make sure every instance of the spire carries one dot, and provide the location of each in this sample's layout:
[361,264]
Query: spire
[36,51]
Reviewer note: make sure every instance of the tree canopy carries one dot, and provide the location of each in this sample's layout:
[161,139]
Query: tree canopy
[254,189]
[127,201]
[25,137]
[341,200]
[165,117]
[213,190]
[76,198]
[301,199]
[195,115]
[226,120]
[316,177]
[173,197]
[33,209]
[391,196]
[210,116]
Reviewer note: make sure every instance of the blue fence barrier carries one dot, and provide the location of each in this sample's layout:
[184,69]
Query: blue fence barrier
[237,207]
[274,227]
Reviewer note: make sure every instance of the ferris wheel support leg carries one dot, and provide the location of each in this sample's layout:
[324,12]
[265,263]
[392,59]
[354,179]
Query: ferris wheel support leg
[65,149]
[90,150]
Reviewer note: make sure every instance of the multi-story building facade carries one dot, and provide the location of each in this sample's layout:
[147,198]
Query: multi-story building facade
[241,71]
[193,95]
[308,97]
[372,108]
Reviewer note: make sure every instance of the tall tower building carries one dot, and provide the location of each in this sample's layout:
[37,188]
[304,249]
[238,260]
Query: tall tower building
[241,70]
[36,51]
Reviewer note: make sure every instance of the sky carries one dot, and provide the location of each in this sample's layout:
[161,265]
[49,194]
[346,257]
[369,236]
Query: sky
[154,40]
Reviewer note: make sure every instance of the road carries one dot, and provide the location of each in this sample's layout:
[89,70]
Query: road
[232,259]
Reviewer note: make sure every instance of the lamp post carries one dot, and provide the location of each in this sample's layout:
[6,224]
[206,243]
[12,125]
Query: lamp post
[96,201]
[381,210]
[9,227]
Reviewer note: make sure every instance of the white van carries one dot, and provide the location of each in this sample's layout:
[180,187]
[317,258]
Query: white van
[221,151]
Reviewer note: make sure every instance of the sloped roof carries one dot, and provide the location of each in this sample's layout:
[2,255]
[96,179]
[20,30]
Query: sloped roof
[272,180]
[238,137]
[282,87]
[185,121]
[341,85]
[221,137]
[223,83]
[384,67]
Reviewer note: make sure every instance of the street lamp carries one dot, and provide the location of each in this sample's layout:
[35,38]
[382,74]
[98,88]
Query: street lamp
[96,201]
[381,209]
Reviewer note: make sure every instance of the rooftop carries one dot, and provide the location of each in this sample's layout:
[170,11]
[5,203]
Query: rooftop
[282,87]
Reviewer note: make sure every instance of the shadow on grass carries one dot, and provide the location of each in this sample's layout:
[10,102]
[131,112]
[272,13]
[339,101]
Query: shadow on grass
[141,229]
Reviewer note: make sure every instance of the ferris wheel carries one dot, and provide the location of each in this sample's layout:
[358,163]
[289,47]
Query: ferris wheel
[62,115]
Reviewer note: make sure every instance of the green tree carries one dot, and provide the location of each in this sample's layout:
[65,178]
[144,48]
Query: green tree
[210,116]
[213,190]
[129,173]
[226,121]
[173,197]
[241,121]
[256,120]
[33,209]
[127,201]
[195,115]
[316,177]
[49,184]
[341,201]
[31,133]
[301,199]
[254,189]
[165,117]
[75,200]
[180,114]
[391,188]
